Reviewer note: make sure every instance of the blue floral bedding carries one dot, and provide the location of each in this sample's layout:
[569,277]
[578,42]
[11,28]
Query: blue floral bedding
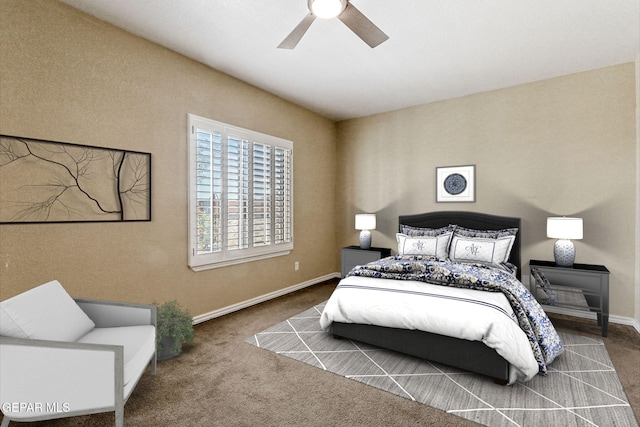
[543,338]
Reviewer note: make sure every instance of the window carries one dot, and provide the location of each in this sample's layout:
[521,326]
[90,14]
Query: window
[240,195]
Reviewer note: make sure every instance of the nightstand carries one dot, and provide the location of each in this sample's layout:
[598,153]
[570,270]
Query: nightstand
[581,287]
[353,255]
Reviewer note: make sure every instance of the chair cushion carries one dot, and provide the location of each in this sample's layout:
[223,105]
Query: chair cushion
[139,344]
[46,312]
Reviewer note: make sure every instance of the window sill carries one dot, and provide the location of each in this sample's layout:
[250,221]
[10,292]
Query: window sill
[229,262]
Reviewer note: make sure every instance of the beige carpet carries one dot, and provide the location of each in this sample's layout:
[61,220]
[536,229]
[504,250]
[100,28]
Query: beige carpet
[581,388]
[223,381]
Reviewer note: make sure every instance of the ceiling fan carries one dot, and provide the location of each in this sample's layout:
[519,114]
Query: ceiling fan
[344,11]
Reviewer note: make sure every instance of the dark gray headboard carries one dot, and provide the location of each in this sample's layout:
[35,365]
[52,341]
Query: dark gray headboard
[475,220]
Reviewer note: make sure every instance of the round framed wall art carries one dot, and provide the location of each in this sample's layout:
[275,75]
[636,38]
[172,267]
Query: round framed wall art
[455,184]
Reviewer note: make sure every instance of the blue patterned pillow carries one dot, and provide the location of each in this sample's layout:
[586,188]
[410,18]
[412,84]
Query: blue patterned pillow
[489,234]
[421,231]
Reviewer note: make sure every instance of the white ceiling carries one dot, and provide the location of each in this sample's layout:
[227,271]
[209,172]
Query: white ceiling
[437,49]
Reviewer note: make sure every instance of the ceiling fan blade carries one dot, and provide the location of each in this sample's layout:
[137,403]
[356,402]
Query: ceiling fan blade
[360,24]
[294,37]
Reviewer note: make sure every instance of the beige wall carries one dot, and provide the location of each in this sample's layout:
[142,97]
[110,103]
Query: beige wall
[65,76]
[564,146]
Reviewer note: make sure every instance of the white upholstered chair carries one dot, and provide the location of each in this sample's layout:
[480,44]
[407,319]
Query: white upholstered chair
[61,357]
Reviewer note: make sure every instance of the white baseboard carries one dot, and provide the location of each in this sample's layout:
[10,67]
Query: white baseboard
[245,304]
[588,315]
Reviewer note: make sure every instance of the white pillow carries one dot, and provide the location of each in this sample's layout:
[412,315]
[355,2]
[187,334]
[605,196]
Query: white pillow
[437,246]
[46,312]
[481,250]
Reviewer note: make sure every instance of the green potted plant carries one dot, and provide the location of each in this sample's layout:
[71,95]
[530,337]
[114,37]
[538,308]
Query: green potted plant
[174,328]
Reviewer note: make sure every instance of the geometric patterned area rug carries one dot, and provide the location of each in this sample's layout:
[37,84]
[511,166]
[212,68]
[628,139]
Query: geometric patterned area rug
[580,389]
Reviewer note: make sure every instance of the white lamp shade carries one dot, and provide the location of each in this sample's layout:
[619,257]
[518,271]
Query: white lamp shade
[326,9]
[365,222]
[564,228]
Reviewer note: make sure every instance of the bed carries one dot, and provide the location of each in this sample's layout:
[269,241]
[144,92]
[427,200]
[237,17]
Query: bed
[514,357]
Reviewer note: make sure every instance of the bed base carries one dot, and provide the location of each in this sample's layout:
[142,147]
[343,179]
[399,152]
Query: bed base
[471,356]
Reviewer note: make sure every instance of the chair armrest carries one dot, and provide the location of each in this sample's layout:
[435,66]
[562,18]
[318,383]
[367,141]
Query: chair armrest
[110,314]
[59,378]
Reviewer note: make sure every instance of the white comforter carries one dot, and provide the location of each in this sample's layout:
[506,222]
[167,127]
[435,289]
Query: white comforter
[463,313]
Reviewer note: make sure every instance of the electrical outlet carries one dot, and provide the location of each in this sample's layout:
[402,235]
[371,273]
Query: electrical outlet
[296,266]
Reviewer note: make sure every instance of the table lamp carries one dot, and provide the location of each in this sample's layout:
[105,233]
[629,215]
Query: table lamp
[564,229]
[365,223]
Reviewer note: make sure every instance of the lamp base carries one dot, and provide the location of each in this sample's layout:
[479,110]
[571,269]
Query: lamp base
[365,239]
[564,253]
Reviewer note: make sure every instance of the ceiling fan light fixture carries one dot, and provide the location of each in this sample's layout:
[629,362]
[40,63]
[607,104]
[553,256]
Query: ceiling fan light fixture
[327,9]
[345,12]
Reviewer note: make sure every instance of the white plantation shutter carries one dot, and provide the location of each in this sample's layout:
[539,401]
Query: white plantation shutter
[261,194]
[282,197]
[240,195]
[208,176]
[237,192]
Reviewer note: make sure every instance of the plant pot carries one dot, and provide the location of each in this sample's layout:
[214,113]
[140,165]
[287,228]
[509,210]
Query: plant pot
[167,345]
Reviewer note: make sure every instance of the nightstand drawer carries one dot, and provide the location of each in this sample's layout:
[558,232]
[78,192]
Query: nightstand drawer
[574,278]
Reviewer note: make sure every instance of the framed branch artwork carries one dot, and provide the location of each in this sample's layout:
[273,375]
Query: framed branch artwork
[47,181]
[456,184]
